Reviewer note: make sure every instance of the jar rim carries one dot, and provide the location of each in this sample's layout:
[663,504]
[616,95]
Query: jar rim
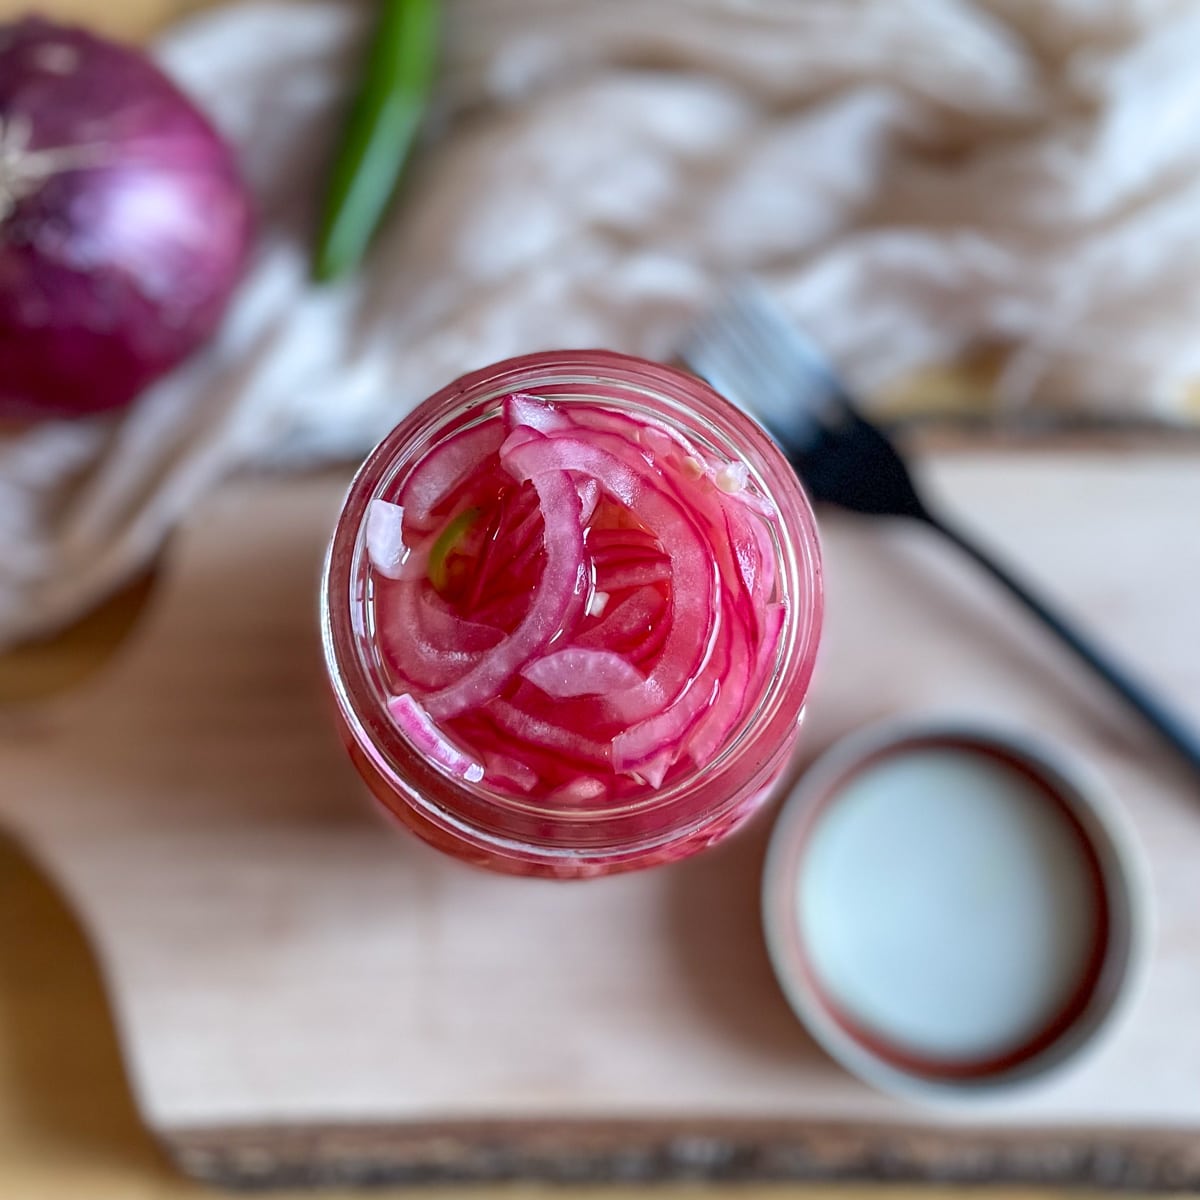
[361,705]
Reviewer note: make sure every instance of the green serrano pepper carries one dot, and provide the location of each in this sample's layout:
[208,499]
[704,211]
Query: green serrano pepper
[446,544]
[383,123]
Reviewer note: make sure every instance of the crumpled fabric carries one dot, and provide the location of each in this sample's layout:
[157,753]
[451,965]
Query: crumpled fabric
[915,180]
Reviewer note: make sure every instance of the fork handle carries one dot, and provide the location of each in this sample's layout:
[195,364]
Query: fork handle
[1171,725]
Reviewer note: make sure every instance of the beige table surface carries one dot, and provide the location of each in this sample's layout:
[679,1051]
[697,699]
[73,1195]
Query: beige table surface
[68,1127]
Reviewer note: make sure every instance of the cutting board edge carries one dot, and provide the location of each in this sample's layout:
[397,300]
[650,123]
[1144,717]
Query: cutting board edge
[57,874]
[709,1150]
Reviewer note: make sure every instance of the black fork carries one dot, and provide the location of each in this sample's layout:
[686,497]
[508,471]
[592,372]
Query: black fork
[750,353]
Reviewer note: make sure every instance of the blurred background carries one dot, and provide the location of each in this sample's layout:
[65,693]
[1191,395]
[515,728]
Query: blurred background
[984,211]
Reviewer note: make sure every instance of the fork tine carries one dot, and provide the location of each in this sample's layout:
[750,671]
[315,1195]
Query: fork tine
[747,349]
[728,348]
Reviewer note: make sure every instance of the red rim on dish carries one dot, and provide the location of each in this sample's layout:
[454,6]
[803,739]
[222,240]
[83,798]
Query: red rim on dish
[951,910]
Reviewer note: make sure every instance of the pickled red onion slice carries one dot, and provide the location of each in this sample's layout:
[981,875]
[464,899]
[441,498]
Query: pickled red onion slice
[621,542]
[385,537]
[579,791]
[424,641]
[446,467]
[642,430]
[416,725]
[772,622]
[623,559]
[672,729]
[732,670]
[509,772]
[691,572]
[646,741]
[558,589]
[577,671]
[589,497]
[754,556]
[548,735]
[604,615]
[522,410]
[627,624]
[632,573]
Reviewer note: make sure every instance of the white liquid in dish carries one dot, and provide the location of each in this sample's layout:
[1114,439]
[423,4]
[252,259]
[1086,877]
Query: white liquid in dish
[947,905]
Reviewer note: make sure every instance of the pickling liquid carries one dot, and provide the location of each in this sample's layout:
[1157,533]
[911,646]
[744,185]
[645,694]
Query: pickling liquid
[952,911]
[574,603]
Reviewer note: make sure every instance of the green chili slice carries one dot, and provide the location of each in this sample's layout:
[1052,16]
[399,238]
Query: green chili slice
[447,542]
[380,132]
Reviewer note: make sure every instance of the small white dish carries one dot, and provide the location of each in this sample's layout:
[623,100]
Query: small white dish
[952,910]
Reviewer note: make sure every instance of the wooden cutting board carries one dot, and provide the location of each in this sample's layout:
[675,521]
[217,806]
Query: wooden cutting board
[304,993]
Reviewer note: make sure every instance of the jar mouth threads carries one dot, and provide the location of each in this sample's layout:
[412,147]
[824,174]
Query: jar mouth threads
[521,831]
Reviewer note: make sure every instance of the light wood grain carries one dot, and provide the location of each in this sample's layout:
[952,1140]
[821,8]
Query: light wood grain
[68,1127]
[280,962]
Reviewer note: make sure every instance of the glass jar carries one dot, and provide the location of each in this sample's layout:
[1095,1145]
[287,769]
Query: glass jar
[523,835]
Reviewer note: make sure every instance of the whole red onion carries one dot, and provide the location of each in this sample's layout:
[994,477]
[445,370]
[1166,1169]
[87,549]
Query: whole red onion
[124,224]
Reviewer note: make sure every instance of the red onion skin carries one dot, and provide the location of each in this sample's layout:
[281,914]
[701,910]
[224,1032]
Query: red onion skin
[118,260]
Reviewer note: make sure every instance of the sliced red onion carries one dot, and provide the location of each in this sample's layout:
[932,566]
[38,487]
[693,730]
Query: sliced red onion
[425,641]
[627,623]
[732,665]
[691,567]
[558,590]
[661,738]
[653,770]
[385,538]
[642,429]
[624,576]
[527,526]
[505,611]
[622,542]
[520,562]
[754,555]
[506,771]
[415,723]
[731,478]
[546,734]
[445,467]
[577,671]
[752,499]
[773,620]
[579,791]
[668,729]
[511,540]
[582,668]
[645,652]
[745,677]
[589,497]
[532,412]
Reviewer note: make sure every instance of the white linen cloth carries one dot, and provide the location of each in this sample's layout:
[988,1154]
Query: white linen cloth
[913,178]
